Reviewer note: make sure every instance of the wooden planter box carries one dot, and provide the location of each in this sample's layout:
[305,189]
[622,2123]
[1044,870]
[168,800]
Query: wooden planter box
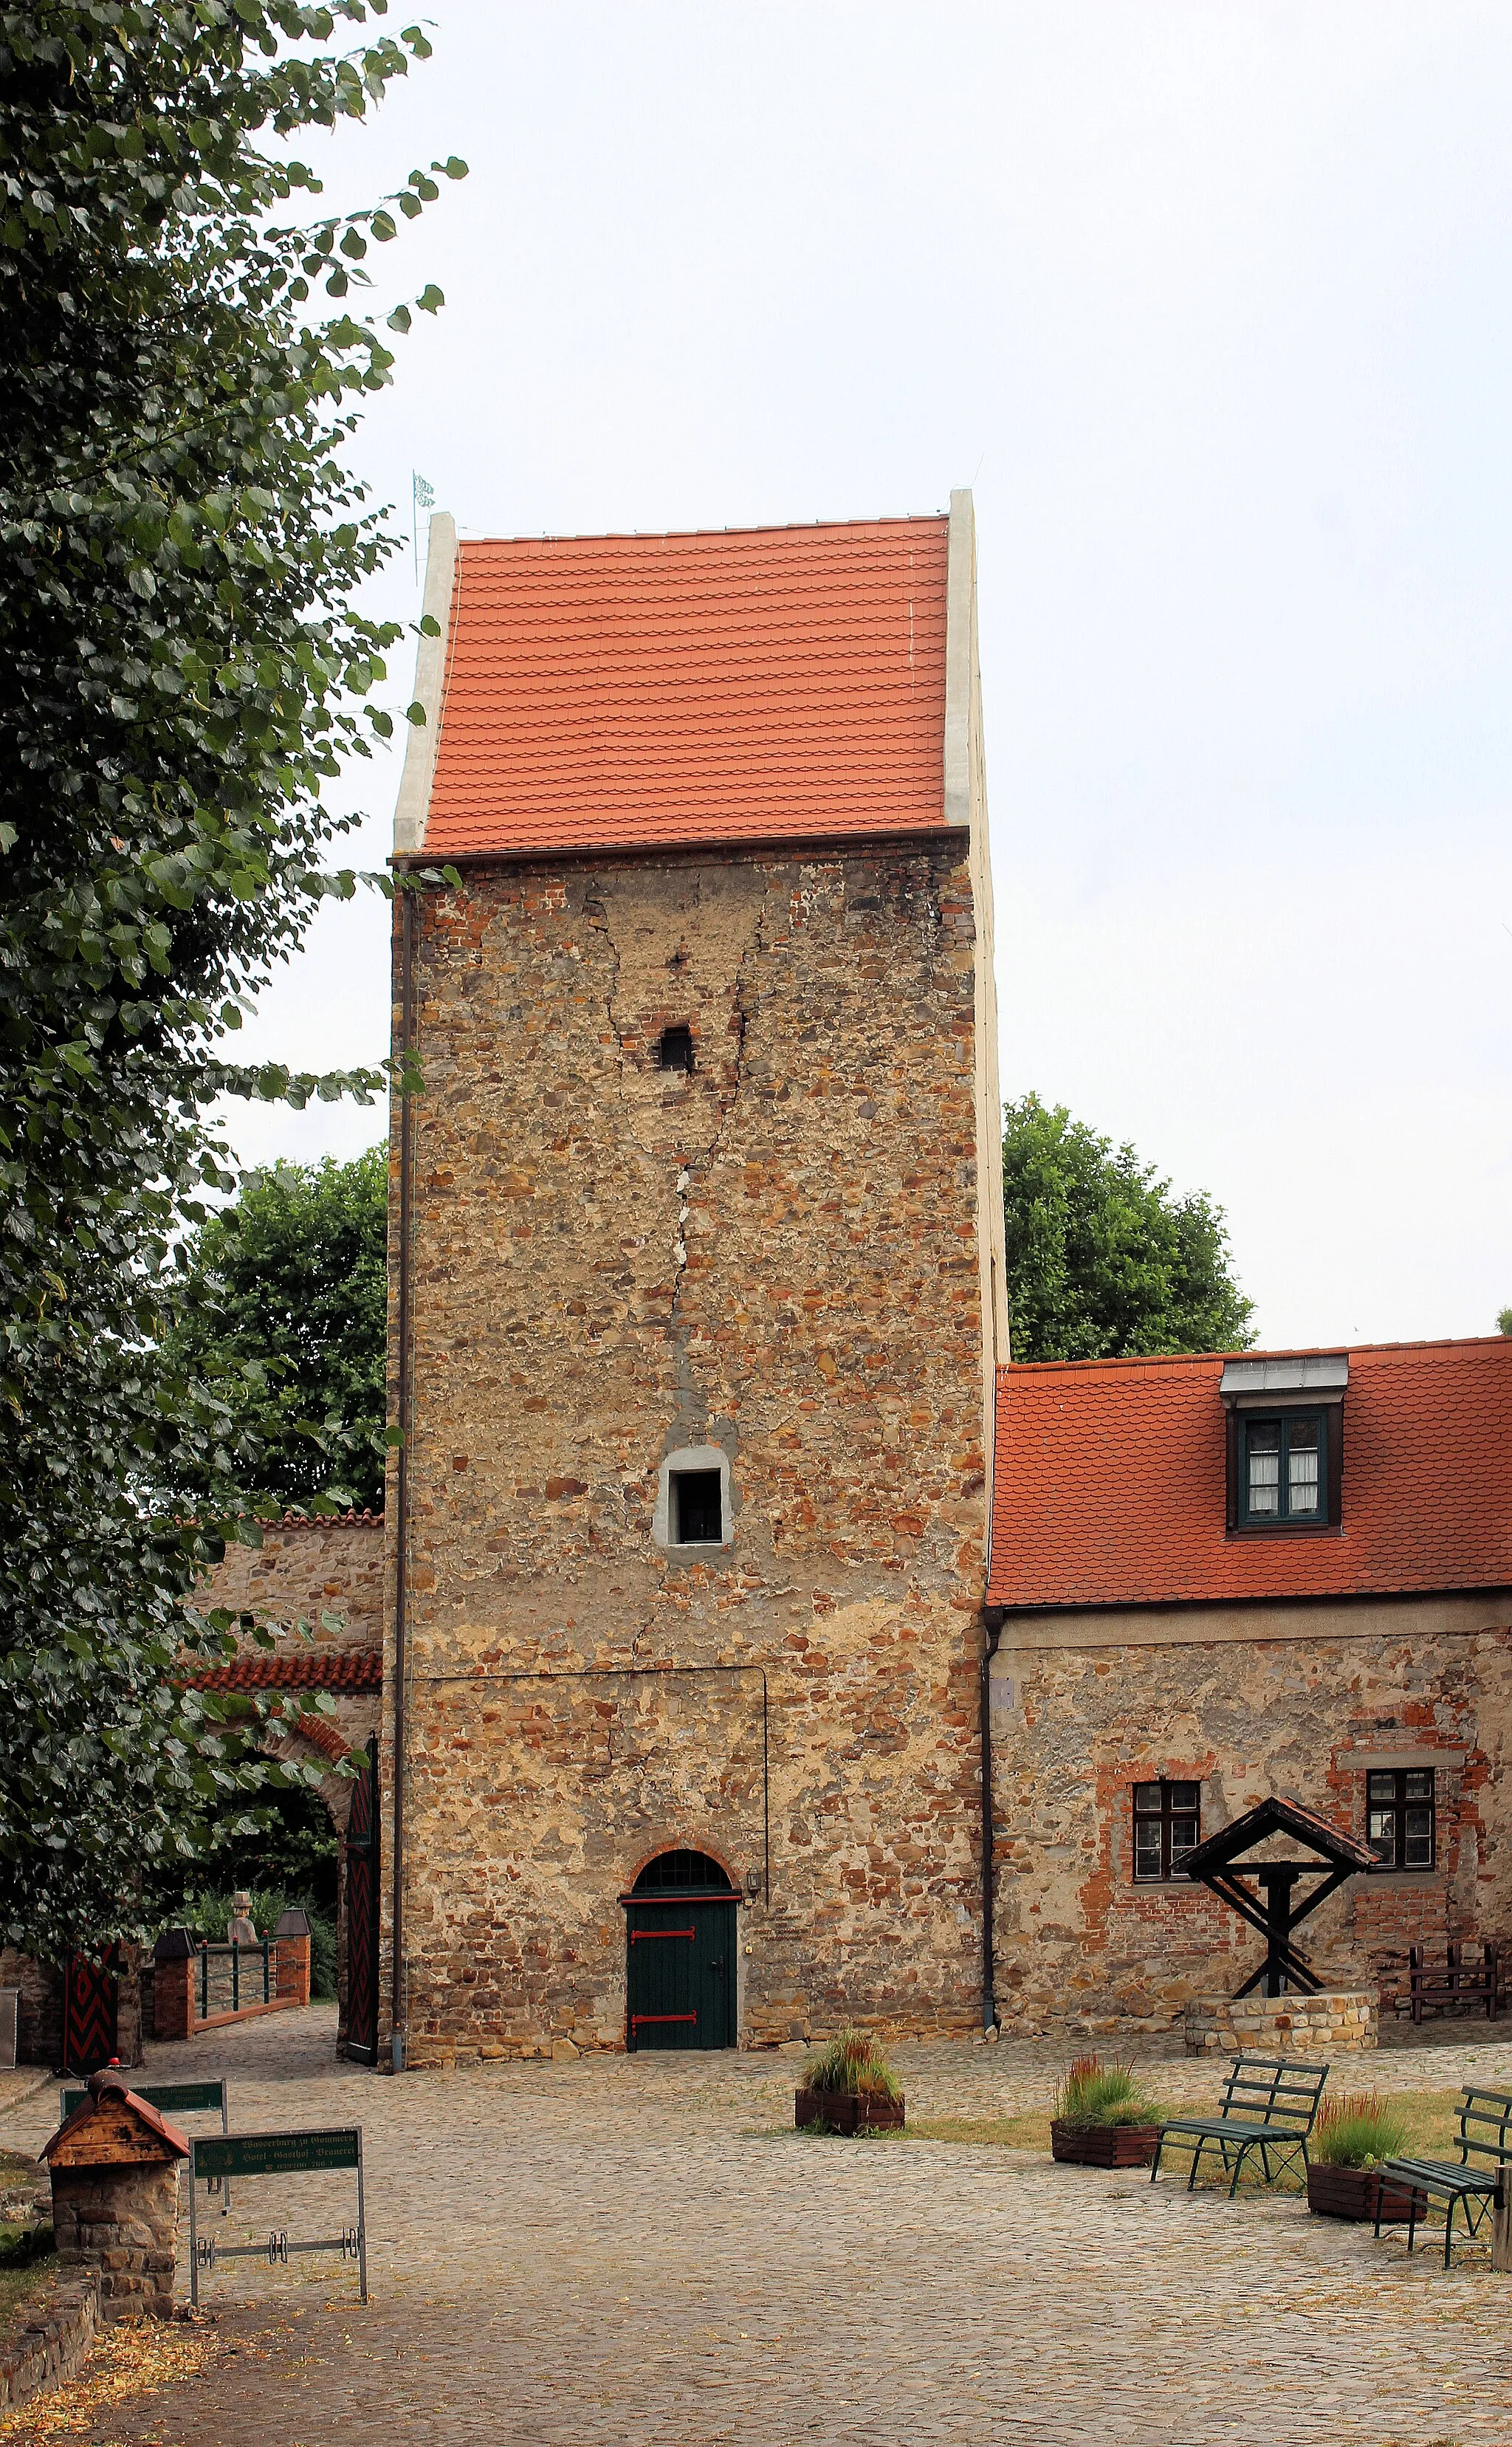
[840,2113]
[1350,2192]
[1102,2145]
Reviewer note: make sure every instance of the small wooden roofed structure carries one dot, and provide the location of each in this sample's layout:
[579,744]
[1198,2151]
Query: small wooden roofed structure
[113,2127]
[1267,1904]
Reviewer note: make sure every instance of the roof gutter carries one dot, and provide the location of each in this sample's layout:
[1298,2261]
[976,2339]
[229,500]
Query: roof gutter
[993,1626]
[406,1034]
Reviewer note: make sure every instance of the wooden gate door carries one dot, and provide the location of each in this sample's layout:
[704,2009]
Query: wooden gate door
[88,2013]
[362,1919]
[681,1984]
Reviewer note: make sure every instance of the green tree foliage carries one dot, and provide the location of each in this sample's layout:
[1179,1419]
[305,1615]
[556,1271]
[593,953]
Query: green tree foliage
[284,1312]
[1103,1261]
[181,673]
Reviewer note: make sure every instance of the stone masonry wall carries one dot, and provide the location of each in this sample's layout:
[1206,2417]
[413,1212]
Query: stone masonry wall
[777,1256]
[327,1575]
[121,2222]
[47,2338]
[1078,1939]
[1336,2021]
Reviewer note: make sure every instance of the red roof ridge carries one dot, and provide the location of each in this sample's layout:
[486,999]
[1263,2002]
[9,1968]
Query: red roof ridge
[1255,1350]
[691,535]
[342,1669]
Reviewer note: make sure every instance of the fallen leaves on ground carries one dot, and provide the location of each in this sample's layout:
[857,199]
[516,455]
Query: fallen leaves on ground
[124,2362]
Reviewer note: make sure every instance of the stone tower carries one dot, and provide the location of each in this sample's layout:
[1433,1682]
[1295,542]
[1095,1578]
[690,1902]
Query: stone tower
[697,1283]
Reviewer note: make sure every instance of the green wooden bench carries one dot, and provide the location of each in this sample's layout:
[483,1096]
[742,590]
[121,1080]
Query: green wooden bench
[1470,2180]
[1268,2104]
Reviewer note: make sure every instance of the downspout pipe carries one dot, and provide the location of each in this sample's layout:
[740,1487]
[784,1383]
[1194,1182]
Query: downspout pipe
[992,1626]
[406,1036]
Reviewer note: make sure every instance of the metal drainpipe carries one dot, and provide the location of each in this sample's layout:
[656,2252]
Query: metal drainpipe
[401,1488]
[992,1626]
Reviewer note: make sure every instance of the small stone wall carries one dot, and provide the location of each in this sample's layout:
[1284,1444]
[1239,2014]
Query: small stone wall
[1335,2022]
[121,2221]
[50,2338]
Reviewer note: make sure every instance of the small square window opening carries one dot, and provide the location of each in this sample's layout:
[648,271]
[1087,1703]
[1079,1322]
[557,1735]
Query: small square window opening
[1283,1469]
[674,1049]
[1400,1815]
[696,1509]
[1167,1822]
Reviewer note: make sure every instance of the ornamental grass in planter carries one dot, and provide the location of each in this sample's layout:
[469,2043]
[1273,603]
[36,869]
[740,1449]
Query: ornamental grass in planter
[1101,2117]
[849,2087]
[1351,2138]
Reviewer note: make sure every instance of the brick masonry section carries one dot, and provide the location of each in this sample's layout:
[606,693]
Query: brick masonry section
[1325,2025]
[776,1257]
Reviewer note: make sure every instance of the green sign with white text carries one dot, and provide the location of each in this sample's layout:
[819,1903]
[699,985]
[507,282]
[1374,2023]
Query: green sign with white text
[277,2154]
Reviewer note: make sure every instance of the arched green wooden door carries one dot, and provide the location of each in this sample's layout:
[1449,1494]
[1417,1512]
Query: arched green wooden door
[680,1945]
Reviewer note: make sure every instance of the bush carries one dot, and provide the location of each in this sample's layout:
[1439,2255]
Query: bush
[1091,2092]
[852,2066]
[1357,2131]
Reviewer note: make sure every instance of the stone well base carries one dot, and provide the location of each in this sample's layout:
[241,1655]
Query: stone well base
[1334,2021]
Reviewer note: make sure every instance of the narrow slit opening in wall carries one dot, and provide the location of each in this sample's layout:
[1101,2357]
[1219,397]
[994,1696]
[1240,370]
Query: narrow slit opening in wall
[674,1049]
[696,1508]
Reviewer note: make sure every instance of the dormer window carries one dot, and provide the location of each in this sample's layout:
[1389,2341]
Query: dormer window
[674,1049]
[1285,1456]
[1284,1474]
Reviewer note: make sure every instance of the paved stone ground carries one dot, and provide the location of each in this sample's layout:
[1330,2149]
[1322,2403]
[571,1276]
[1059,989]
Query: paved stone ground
[637,2253]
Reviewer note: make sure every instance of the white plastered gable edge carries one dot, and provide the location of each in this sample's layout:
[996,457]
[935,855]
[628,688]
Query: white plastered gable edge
[965,799]
[413,805]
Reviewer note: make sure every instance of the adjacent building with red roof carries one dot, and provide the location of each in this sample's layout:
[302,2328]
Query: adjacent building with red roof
[1217,1579]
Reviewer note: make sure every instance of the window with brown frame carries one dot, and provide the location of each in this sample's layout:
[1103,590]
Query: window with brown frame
[1400,1815]
[1167,1823]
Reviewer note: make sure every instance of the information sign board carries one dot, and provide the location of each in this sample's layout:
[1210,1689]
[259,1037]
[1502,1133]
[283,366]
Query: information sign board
[329,2150]
[280,2154]
[168,2097]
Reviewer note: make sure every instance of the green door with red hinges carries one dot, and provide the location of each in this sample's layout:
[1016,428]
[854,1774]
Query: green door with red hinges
[681,1972]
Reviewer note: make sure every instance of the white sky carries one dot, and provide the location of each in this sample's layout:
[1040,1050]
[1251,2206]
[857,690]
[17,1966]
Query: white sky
[1212,306]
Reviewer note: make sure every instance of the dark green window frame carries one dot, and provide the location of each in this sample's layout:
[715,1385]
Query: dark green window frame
[1265,1439]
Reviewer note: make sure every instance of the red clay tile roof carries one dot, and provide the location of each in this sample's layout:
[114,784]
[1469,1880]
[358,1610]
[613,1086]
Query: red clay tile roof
[1109,1485]
[609,691]
[314,1670]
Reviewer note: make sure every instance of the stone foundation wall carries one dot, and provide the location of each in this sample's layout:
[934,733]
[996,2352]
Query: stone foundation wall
[1332,2023]
[776,1258]
[119,2221]
[49,2338]
[1244,1716]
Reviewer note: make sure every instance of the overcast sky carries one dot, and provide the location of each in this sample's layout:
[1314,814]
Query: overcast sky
[1212,308]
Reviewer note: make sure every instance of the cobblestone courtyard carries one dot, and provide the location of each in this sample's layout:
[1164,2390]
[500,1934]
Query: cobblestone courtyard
[642,2251]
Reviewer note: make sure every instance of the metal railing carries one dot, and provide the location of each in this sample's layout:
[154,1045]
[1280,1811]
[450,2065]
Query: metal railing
[231,1977]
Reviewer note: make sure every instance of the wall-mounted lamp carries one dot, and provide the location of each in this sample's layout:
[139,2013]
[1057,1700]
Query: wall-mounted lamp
[753,1883]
